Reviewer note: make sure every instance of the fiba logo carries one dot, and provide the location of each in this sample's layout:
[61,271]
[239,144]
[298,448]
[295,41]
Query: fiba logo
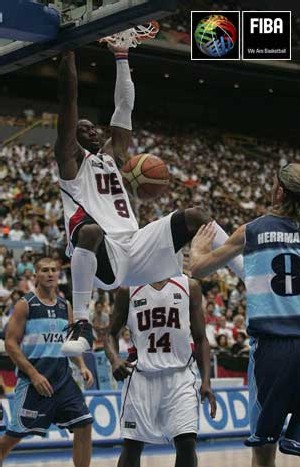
[215,35]
[267,35]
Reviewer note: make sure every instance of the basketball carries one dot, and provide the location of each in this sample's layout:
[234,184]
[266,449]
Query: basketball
[146,176]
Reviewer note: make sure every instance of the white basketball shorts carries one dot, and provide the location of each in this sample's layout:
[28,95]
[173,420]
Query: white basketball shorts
[157,407]
[145,257]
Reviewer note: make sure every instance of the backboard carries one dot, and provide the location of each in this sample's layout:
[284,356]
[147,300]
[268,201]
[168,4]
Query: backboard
[82,22]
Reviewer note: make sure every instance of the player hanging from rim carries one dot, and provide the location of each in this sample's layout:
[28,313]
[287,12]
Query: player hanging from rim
[159,397]
[271,248]
[104,239]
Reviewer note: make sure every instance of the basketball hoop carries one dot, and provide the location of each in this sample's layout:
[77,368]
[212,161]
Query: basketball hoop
[132,37]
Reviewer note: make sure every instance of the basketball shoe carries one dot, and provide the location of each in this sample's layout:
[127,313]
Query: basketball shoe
[289,446]
[79,338]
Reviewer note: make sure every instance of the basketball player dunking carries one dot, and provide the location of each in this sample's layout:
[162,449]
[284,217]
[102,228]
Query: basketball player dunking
[271,247]
[159,396]
[103,235]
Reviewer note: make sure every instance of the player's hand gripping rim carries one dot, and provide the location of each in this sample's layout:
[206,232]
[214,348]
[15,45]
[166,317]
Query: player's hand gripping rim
[207,393]
[121,369]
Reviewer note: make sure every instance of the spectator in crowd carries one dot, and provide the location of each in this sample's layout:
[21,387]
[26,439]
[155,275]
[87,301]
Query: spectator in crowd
[241,347]
[223,344]
[27,283]
[210,315]
[16,233]
[229,318]
[25,263]
[8,285]
[125,340]
[239,325]
[237,295]
[4,229]
[37,235]
[223,329]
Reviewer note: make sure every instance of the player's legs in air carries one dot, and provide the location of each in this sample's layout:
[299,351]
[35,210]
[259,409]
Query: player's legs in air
[94,260]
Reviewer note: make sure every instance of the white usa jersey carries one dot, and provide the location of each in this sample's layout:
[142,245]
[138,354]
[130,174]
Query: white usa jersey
[98,191]
[159,321]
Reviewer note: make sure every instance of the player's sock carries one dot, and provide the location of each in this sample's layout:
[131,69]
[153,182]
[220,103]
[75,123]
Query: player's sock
[83,270]
[236,264]
[80,335]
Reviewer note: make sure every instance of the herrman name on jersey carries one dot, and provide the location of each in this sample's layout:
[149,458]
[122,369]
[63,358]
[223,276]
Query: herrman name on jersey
[272,237]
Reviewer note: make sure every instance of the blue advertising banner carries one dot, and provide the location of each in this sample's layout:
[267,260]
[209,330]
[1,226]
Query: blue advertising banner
[232,418]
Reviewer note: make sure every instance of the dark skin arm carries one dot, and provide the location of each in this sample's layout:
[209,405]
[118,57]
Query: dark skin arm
[14,335]
[68,153]
[120,368]
[117,146]
[202,349]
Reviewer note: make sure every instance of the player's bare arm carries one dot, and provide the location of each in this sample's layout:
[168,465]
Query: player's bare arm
[79,361]
[204,260]
[202,349]
[14,336]
[68,152]
[120,368]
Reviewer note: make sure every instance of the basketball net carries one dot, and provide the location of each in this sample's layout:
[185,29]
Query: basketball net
[132,37]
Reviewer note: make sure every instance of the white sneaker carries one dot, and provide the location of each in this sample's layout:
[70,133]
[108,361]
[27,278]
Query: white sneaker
[79,338]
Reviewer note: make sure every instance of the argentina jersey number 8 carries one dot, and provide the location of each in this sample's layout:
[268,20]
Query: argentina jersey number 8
[286,281]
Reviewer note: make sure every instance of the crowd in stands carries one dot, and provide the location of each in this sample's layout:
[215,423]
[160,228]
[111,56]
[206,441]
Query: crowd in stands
[222,174]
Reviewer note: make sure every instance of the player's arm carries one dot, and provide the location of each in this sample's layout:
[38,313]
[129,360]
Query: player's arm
[13,338]
[121,125]
[204,260]
[68,152]
[202,348]
[79,361]
[120,368]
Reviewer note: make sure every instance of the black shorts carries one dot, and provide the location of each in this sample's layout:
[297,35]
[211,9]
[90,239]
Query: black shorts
[274,389]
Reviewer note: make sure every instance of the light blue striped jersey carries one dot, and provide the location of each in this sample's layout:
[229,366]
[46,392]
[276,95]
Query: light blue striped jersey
[272,276]
[43,339]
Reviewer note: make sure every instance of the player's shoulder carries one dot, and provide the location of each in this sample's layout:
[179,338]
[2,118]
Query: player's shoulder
[61,301]
[194,284]
[180,283]
[28,297]
[258,221]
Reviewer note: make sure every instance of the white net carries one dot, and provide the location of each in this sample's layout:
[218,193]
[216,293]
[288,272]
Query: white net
[132,37]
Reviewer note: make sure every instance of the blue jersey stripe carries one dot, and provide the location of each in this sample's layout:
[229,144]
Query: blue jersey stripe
[52,350]
[261,305]
[258,263]
[42,324]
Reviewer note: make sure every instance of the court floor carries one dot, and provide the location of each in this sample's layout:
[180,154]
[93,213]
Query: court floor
[209,455]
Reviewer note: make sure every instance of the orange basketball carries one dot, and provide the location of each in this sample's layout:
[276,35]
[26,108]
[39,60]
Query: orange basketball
[146,176]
